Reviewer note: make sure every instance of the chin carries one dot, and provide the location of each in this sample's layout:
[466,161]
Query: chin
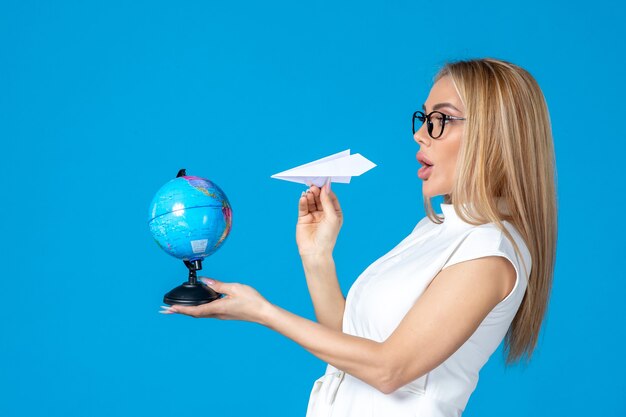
[430,191]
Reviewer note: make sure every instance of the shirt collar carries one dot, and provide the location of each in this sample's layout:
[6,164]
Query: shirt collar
[452,219]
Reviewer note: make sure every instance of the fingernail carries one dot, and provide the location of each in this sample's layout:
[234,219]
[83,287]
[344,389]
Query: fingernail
[208,281]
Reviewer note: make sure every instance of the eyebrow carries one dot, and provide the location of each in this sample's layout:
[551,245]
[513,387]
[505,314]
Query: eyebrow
[441,105]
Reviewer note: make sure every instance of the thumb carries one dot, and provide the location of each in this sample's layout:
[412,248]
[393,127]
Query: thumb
[218,286]
[327,203]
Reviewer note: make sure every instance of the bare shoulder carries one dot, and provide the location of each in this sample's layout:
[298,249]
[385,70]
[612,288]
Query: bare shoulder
[444,317]
[495,272]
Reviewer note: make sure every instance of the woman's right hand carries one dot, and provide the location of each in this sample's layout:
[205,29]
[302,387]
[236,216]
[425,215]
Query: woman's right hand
[319,221]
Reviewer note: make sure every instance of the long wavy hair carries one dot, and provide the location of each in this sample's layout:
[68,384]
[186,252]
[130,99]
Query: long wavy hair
[507,153]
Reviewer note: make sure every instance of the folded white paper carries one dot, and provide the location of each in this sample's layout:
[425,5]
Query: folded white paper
[339,167]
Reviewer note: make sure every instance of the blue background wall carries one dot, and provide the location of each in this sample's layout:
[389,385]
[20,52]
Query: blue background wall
[101,103]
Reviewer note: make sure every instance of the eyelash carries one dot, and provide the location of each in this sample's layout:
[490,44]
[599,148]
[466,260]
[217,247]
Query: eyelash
[445,119]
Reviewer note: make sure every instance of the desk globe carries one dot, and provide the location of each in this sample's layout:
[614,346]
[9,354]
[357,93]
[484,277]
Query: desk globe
[190,218]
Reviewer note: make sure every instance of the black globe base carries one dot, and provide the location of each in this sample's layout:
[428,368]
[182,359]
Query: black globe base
[191,293]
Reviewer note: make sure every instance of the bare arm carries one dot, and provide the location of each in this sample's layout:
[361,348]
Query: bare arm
[441,320]
[328,300]
[419,343]
[319,220]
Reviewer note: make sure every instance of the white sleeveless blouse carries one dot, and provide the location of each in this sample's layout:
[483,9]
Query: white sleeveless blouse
[383,294]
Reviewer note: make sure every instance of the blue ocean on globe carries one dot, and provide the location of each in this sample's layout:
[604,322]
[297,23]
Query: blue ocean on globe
[190,217]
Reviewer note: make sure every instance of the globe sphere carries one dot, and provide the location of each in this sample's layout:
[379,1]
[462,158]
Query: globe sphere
[190,217]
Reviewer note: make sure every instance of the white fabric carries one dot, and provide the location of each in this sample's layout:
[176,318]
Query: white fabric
[383,294]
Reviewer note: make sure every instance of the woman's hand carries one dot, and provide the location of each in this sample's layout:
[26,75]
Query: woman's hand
[319,221]
[241,302]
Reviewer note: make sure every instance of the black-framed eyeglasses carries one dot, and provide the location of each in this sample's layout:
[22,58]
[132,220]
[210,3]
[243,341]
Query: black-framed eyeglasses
[436,121]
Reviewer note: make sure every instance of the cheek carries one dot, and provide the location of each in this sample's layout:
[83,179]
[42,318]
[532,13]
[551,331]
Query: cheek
[448,163]
[445,173]
[452,150]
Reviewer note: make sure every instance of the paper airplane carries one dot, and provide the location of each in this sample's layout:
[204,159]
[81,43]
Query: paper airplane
[339,167]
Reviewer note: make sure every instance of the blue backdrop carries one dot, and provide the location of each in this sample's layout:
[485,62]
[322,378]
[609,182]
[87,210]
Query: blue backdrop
[102,102]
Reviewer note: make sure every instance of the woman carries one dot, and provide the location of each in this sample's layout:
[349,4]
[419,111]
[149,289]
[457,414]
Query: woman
[420,322]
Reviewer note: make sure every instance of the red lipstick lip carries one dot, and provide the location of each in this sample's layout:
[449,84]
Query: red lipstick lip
[422,159]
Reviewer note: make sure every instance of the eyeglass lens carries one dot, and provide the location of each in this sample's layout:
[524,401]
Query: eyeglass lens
[435,126]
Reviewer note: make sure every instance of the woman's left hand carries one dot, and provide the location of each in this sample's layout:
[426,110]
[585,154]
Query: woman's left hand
[241,302]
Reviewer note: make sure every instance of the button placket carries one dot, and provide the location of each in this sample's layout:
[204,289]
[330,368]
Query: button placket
[334,383]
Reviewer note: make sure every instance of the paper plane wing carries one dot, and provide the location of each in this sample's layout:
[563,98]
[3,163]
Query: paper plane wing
[339,167]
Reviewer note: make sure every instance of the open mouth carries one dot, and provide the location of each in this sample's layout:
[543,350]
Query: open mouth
[422,159]
[427,166]
[425,171]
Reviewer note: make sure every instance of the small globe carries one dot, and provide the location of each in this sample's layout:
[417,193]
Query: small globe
[190,217]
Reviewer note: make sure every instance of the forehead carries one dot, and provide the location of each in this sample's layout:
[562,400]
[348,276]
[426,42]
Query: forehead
[443,91]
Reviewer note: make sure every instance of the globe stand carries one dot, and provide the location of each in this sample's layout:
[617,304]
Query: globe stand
[191,293]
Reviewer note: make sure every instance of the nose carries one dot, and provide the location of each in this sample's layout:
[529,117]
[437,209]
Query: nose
[421,135]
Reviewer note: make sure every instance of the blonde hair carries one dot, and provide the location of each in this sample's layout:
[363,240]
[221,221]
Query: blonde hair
[507,153]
